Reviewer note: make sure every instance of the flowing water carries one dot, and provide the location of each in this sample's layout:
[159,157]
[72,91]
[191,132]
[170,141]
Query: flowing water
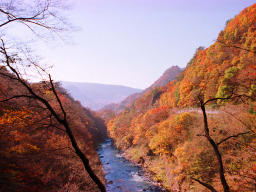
[122,175]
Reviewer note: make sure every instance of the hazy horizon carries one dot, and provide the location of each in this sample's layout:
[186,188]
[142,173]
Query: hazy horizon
[131,43]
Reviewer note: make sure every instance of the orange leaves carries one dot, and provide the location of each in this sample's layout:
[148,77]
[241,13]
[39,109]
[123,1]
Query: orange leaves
[15,125]
[15,117]
[19,140]
[254,168]
[170,133]
[226,66]
[24,148]
[252,71]
[159,109]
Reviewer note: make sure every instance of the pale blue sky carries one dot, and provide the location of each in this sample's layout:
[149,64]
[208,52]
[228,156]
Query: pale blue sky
[132,42]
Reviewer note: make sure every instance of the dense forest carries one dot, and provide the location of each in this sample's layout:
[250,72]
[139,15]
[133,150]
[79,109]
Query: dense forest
[197,133]
[36,154]
[194,129]
[47,139]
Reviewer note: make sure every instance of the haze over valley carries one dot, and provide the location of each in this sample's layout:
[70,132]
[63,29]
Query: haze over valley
[188,125]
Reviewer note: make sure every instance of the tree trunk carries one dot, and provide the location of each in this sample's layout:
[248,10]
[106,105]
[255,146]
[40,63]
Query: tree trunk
[215,148]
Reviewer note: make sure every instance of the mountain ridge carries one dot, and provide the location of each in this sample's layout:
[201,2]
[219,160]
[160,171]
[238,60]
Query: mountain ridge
[168,75]
[97,95]
[174,143]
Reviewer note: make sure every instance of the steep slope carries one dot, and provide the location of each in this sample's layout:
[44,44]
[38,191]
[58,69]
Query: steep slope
[95,96]
[160,129]
[169,75]
[35,152]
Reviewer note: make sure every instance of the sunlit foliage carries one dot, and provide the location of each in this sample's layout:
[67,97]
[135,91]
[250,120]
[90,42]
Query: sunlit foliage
[167,130]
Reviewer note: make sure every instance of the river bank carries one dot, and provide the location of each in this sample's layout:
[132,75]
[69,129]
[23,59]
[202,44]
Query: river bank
[122,175]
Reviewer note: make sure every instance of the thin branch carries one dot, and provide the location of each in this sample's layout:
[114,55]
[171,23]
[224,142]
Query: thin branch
[57,97]
[48,151]
[239,121]
[16,97]
[208,186]
[35,19]
[232,136]
[214,146]
[9,76]
[236,46]
[227,98]
[62,121]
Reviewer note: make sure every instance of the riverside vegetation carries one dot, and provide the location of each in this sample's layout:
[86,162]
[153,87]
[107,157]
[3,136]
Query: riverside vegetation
[183,149]
[157,131]
[47,139]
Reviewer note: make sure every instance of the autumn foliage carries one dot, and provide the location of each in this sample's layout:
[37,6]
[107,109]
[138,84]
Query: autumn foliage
[35,152]
[164,126]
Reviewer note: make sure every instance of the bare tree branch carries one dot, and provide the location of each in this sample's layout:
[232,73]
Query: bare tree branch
[16,97]
[208,186]
[231,96]
[214,145]
[235,46]
[35,19]
[239,121]
[62,120]
[32,18]
[57,97]
[232,136]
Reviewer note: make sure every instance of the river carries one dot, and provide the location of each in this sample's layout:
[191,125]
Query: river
[122,175]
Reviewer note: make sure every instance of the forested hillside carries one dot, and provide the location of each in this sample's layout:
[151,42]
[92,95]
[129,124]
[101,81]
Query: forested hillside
[185,146]
[35,152]
[47,139]
[169,75]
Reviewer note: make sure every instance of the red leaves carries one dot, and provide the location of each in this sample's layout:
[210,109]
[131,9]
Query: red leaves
[252,71]
[159,109]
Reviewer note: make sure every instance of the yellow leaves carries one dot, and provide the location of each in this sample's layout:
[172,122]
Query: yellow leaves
[18,149]
[184,118]
[49,94]
[24,148]
[183,154]
[33,147]
[14,128]
[111,128]
[170,133]
[17,118]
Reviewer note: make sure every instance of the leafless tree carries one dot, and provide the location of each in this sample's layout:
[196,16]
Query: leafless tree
[215,144]
[37,15]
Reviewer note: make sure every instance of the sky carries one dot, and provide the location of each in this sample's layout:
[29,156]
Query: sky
[132,42]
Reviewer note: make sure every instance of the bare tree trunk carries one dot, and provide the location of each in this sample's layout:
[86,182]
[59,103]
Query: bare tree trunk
[42,16]
[62,120]
[81,155]
[208,186]
[215,148]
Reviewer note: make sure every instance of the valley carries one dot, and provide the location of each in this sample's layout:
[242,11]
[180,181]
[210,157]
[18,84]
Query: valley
[197,132]
[193,129]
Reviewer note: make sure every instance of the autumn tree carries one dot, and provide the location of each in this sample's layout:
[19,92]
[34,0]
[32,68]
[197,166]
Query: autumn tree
[37,15]
[215,144]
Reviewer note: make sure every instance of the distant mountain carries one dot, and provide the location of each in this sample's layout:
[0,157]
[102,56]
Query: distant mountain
[95,96]
[169,75]
[159,130]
